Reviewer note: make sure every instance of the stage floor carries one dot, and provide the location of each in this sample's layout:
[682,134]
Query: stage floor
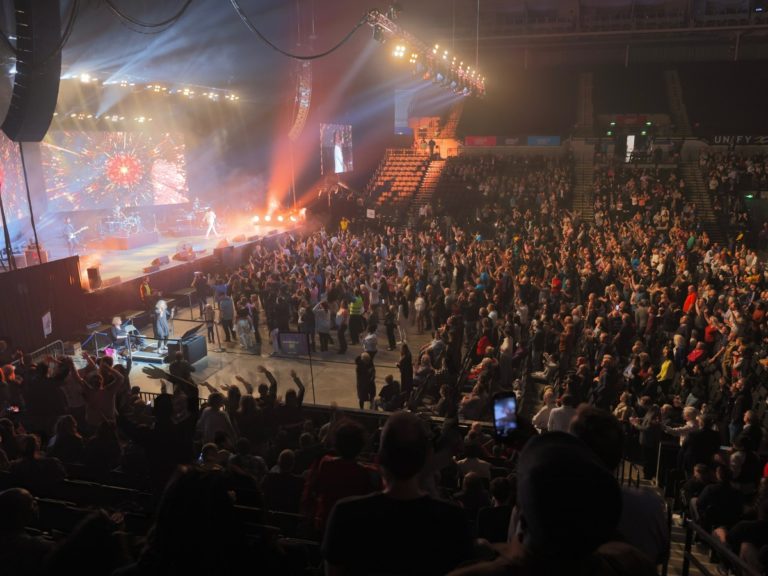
[127,265]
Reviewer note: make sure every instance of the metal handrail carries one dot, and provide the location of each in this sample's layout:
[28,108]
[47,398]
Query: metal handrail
[742,568]
[628,474]
[55,349]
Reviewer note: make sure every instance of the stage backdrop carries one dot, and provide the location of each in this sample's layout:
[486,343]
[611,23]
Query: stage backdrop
[101,170]
[41,304]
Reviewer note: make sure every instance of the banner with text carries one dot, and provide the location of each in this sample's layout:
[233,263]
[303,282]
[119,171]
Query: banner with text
[736,140]
[512,141]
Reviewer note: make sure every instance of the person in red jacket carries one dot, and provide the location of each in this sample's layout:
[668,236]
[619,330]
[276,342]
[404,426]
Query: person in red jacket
[690,300]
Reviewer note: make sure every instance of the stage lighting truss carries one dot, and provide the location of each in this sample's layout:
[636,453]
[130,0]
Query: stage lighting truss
[431,62]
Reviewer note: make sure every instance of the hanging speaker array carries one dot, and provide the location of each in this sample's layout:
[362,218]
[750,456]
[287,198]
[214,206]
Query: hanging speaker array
[38,70]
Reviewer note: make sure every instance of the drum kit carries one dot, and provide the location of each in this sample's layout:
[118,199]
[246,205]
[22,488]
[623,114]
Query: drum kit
[119,223]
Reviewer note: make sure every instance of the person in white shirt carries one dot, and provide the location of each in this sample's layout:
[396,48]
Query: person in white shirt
[541,419]
[338,153]
[691,425]
[370,342]
[473,463]
[560,418]
[213,419]
[210,220]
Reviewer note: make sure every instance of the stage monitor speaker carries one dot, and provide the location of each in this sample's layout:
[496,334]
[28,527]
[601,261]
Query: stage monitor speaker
[193,349]
[94,278]
[151,269]
[161,261]
[238,239]
[38,69]
[184,256]
[223,243]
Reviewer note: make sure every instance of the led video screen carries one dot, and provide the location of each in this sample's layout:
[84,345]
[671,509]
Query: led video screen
[335,148]
[101,170]
[12,180]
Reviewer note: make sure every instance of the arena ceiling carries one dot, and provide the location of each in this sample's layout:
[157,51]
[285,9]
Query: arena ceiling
[210,46]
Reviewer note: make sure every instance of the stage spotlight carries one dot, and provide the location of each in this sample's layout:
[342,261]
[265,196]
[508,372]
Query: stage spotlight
[267,218]
[378,34]
[280,218]
[256,219]
[85,77]
[293,218]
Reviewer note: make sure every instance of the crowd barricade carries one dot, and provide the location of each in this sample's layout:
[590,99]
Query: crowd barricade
[720,551]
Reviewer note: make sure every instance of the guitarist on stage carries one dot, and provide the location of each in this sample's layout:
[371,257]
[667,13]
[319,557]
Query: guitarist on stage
[73,243]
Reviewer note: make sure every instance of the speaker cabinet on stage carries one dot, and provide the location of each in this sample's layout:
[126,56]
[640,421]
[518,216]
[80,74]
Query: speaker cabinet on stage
[151,269]
[38,69]
[161,261]
[94,278]
[33,259]
[238,239]
[193,349]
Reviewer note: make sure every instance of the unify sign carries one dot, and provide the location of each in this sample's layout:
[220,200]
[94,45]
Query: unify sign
[740,140]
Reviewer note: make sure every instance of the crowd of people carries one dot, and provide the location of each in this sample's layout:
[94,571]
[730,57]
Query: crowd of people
[617,335]
[729,177]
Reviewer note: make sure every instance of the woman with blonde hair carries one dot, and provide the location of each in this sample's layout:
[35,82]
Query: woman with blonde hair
[162,328]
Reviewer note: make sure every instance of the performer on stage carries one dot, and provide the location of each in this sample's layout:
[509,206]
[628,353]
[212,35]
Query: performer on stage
[210,219]
[72,235]
[145,293]
[117,333]
[162,328]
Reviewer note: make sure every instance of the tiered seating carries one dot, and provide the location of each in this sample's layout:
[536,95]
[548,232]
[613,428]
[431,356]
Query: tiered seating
[498,181]
[398,177]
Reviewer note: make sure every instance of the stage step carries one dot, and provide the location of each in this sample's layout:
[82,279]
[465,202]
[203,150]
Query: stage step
[148,355]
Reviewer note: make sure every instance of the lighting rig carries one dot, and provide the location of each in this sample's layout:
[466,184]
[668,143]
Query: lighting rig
[431,62]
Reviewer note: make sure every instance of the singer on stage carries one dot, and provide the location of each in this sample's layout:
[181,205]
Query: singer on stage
[210,219]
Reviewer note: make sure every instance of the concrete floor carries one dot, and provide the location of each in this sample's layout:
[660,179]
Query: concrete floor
[329,378]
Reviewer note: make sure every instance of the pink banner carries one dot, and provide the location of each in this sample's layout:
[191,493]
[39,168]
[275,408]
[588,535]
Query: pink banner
[480,141]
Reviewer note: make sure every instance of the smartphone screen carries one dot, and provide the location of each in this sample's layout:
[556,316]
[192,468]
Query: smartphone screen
[504,414]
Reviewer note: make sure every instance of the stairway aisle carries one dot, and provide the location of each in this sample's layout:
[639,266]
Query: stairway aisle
[697,192]
[583,192]
[426,189]
[677,537]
